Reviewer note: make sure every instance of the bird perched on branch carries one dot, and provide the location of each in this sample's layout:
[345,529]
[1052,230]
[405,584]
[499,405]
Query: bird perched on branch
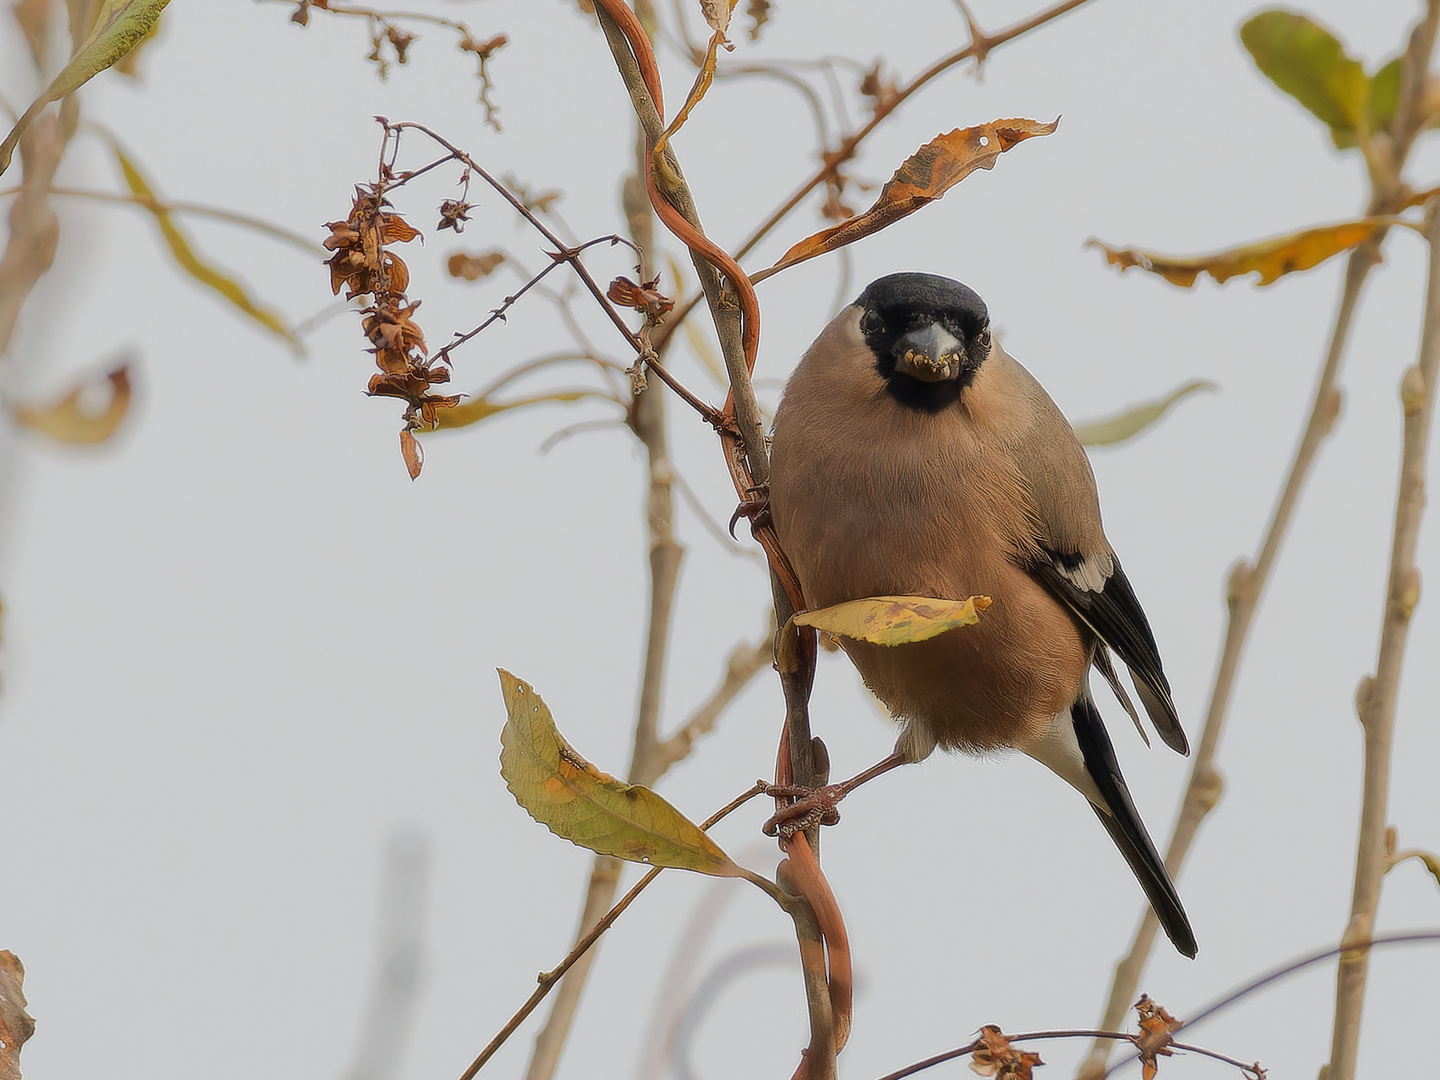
[912,456]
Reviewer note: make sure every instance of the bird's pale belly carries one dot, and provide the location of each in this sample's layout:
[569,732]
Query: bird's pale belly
[996,684]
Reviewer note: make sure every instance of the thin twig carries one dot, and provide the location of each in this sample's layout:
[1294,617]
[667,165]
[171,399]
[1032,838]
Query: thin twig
[162,206]
[1247,582]
[1377,695]
[548,979]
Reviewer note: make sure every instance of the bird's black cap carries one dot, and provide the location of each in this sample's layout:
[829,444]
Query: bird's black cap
[941,298]
[897,305]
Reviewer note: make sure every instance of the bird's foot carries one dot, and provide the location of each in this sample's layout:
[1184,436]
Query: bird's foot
[756,508]
[812,806]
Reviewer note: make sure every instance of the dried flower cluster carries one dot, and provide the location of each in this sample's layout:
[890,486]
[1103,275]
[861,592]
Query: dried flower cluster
[994,1056]
[363,266]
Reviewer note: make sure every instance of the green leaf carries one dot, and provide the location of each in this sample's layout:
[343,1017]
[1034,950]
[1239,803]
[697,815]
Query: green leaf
[1134,420]
[120,26]
[575,800]
[191,263]
[1385,94]
[1309,63]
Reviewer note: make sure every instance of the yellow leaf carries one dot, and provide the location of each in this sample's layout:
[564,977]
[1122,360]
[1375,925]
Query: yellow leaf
[895,620]
[78,417]
[191,263]
[474,409]
[1271,259]
[575,800]
[925,176]
[882,620]
[1137,418]
[118,28]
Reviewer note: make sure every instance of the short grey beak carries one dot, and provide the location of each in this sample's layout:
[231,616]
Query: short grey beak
[930,354]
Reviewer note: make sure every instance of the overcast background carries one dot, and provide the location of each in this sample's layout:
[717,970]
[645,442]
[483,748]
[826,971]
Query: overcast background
[243,651]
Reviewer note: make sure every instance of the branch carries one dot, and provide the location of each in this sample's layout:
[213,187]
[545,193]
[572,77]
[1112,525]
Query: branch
[746,661]
[1388,197]
[548,979]
[1375,699]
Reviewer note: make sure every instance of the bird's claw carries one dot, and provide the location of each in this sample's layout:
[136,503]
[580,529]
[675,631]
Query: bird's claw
[812,806]
[756,508]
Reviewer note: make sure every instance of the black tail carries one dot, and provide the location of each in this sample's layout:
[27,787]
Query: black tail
[1125,827]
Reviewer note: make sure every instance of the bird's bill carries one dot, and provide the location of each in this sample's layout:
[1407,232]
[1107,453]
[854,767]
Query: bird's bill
[930,354]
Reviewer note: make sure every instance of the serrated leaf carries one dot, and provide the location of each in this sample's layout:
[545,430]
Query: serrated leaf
[189,261]
[1309,63]
[1271,259]
[119,27]
[925,176]
[576,801]
[1134,420]
[90,412]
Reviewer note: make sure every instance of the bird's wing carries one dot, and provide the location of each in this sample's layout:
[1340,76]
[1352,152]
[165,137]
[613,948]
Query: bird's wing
[1117,619]
[1072,557]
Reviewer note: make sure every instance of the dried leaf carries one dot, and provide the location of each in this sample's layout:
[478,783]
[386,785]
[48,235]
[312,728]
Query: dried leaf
[191,263]
[575,800]
[996,1057]
[90,413]
[1134,420]
[759,13]
[1271,259]
[412,452]
[933,170]
[645,298]
[474,267]
[120,26]
[1309,63]
[717,13]
[1156,1030]
[882,620]
[16,1024]
[475,409]
[1430,860]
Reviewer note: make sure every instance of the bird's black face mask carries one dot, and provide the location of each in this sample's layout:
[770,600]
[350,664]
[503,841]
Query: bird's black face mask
[929,336]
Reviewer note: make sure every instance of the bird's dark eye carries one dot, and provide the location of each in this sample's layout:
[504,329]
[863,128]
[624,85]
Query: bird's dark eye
[871,323]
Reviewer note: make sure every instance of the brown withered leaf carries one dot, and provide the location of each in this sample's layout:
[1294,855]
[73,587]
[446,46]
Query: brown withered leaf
[717,13]
[16,1024]
[645,298]
[412,452]
[89,413]
[759,13]
[996,1057]
[925,176]
[1157,1028]
[474,267]
[453,214]
[575,800]
[878,86]
[1271,259]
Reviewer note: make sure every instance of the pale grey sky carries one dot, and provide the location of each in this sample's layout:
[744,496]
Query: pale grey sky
[242,649]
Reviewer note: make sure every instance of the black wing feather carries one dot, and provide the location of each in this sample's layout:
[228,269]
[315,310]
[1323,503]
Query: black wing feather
[1117,619]
[1125,827]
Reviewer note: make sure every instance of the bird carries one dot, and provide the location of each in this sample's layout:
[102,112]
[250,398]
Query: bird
[911,455]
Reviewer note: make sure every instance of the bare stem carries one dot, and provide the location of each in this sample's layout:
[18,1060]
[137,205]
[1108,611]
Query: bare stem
[1388,197]
[650,757]
[1375,699]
